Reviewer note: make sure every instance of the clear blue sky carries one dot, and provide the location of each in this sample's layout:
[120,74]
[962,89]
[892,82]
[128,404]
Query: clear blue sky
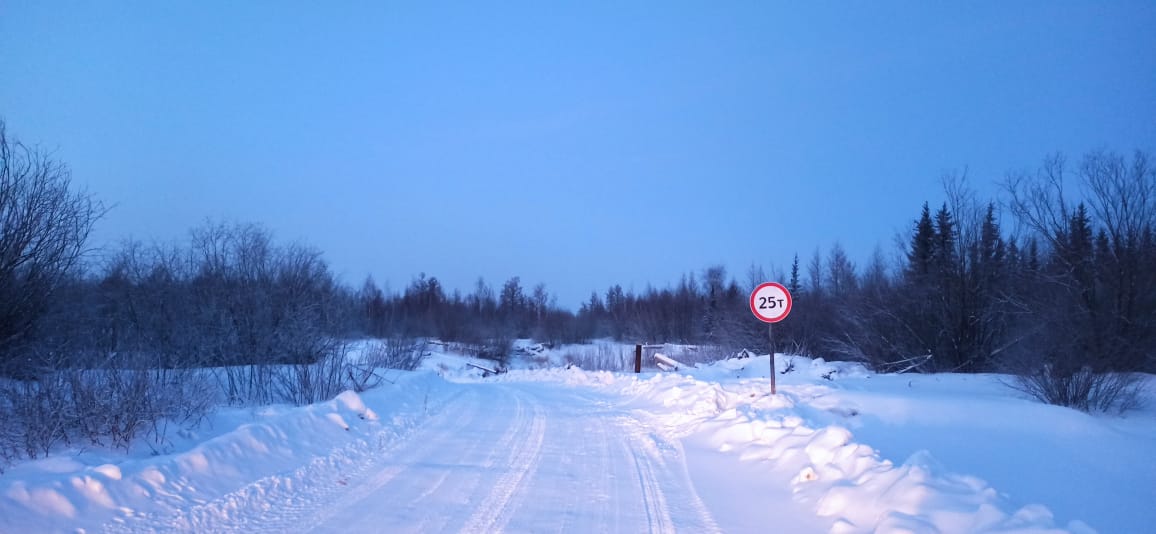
[576,144]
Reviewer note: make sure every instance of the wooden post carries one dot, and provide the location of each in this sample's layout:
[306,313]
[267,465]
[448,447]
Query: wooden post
[638,359]
[771,338]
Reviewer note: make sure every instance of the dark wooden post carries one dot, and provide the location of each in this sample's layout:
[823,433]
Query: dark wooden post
[638,358]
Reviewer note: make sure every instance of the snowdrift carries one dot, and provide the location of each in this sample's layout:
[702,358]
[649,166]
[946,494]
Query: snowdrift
[932,426]
[857,451]
[276,447]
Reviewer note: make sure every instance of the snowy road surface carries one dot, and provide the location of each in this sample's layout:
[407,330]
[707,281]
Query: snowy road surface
[566,450]
[515,457]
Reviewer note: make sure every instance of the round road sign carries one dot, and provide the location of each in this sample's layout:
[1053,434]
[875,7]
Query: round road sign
[771,302]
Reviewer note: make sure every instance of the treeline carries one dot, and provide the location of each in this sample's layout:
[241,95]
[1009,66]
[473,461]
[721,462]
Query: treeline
[1073,289]
[1046,281]
[143,340]
[487,318]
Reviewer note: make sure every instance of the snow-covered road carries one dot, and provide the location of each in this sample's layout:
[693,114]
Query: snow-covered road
[566,450]
[518,457]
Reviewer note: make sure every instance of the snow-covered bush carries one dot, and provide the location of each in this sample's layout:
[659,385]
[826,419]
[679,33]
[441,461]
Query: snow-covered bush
[601,357]
[109,407]
[1082,389]
[306,383]
[496,349]
[401,353]
[397,352]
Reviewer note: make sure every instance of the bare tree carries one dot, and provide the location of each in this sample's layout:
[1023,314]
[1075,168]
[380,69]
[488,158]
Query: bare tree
[1122,198]
[755,276]
[44,225]
[841,279]
[1094,292]
[1038,200]
[815,274]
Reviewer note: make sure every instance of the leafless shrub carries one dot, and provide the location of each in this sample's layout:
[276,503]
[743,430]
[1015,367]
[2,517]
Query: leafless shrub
[789,367]
[540,361]
[599,358]
[230,298]
[796,348]
[362,377]
[843,347]
[1082,389]
[496,349]
[111,406]
[699,354]
[306,383]
[401,353]
[298,383]
[35,420]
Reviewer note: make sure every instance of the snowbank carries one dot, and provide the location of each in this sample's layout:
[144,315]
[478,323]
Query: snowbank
[860,451]
[807,437]
[277,446]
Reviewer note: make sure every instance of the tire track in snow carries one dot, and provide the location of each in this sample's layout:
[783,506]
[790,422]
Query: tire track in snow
[615,489]
[597,494]
[470,467]
[585,480]
[653,498]
[384,467]
[650,453]
[390,468]
[464,489]
[493,514]
[449,478]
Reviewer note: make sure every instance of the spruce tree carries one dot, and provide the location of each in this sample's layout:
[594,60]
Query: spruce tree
[793,283]
[920,255]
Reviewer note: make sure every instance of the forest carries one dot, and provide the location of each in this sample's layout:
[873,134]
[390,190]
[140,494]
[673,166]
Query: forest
[1052,283]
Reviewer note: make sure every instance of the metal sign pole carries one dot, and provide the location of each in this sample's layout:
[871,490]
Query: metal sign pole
[771,337]
[771,302]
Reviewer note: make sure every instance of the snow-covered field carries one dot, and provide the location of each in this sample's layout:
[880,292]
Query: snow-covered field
[549,448]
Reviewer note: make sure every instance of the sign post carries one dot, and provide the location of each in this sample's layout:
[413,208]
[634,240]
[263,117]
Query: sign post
[771,302]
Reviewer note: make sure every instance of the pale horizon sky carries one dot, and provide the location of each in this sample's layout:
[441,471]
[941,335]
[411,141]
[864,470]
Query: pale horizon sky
[575,144]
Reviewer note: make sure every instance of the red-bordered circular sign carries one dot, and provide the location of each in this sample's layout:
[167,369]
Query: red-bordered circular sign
[771,302]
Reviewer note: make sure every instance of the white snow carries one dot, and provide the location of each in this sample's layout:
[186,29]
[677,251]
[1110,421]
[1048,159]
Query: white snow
[708,449]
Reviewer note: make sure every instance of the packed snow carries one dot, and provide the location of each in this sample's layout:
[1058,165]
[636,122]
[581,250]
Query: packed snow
[551,447]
